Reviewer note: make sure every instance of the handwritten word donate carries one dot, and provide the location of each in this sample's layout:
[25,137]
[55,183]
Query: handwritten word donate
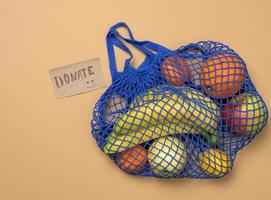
[77,78]
[68,78]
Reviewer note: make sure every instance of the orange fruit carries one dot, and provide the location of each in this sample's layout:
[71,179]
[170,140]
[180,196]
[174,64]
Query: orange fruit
[132,160]
[175,70]
[222,75]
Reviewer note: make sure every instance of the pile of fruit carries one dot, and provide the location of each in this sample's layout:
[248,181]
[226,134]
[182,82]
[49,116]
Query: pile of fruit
[191,123]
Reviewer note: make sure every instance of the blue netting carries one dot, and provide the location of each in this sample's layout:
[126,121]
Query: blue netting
[182,113]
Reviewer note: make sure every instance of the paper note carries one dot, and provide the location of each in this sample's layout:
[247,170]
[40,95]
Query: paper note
[77,78]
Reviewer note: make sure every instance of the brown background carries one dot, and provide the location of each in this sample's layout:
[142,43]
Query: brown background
[45,148]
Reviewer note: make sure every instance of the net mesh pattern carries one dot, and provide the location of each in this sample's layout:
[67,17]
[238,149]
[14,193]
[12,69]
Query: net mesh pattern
[186,115]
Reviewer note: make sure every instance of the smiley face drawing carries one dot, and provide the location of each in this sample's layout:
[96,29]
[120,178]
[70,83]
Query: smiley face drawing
[90,84]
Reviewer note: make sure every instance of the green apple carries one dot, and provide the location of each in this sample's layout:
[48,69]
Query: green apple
[245,114]
[167,156]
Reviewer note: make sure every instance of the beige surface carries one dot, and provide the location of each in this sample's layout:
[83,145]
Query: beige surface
[45,148]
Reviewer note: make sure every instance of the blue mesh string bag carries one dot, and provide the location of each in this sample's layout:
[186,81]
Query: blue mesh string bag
[182,113]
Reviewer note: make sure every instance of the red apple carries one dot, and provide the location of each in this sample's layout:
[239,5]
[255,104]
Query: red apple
[245,114]
[175,70]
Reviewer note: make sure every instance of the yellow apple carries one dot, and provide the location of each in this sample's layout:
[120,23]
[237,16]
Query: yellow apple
[215,162]
[167,156]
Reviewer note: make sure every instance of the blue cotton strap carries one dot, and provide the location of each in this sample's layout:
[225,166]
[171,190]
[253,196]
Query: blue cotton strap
[111,42]
[151,45]
[124,25]
[141,45]
[114,33]
[114,38]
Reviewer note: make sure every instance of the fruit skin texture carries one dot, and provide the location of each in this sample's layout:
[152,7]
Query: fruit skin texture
[222,75]
[118,143]
[171,108]
[167,156]
[245,114]
[163,114]
[214,162]
[175,70]
[132,160]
